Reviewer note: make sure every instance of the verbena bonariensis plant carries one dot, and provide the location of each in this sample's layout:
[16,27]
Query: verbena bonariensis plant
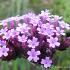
[34,37]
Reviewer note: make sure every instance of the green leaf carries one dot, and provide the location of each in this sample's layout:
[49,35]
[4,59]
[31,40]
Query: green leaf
[22,64]
[5,65]
[15,64]
[53,68]
[62,58]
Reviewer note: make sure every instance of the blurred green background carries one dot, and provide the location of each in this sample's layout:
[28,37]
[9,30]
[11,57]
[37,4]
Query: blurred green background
[10,8]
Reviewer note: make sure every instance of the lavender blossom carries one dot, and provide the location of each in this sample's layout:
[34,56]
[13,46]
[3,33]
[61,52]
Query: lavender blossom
[33,55]
[22,38]
[45,15]
[53,42]
[4,51]
[46,62]
[10,33]
[59,31]
[46,29]
[6,35]
[33,43]
[3,30]
[23,28]
[35,21]
[1,52]
[2,43]
[64,25]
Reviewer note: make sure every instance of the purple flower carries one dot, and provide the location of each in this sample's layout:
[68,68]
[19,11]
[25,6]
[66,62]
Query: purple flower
[45,15]
[35,21]
[1,53]
[33,55]
[64,25]
[4,22]
[2,43]
[33,43]
[28,16]
[4,51]
[59,31]
[53,42]
[6,35]
[22,38]
[10,33]
[46,29]
[13,33]
[23,28]
[57,18]
[47,62]
[3,31]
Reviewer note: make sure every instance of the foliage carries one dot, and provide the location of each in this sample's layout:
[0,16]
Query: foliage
[62,8]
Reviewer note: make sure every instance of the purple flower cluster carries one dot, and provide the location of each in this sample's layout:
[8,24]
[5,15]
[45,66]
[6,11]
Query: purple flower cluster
[34,36]
[3,49]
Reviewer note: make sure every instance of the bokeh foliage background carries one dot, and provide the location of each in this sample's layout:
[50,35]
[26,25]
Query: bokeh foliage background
[10,8]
